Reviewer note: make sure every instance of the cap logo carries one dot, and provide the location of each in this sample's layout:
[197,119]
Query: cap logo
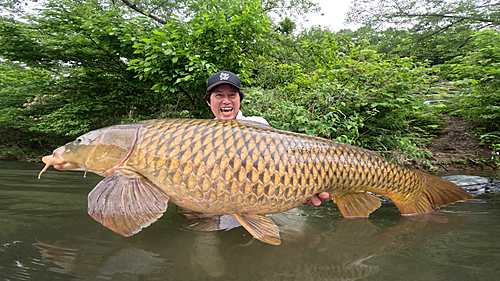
[224,76]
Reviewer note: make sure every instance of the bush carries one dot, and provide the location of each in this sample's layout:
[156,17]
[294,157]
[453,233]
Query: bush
[354,96]
[477,76]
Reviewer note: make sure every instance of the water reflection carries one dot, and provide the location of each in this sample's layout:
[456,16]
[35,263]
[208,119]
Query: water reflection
[310,250]
[87,259]
[46,234]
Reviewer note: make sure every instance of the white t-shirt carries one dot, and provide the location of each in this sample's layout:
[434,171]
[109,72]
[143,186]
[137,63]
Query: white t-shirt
[251,118]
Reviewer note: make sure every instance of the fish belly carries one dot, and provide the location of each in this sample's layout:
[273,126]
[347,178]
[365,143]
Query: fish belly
[228,166]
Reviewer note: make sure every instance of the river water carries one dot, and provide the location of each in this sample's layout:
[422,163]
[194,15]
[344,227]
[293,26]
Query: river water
[46,234]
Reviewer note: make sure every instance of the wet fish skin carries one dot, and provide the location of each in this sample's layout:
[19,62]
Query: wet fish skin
[227,167]
[239,168]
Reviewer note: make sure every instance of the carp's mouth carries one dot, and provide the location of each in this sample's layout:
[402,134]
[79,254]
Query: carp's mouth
[58,162]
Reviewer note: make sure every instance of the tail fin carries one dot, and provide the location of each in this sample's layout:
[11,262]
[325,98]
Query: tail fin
[437,192]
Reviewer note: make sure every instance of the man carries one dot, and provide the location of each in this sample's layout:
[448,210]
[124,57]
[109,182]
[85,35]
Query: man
[224,95]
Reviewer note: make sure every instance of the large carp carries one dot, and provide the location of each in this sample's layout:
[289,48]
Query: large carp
[239,168]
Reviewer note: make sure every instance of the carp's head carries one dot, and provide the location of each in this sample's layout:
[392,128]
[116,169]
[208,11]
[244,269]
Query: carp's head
[99,151]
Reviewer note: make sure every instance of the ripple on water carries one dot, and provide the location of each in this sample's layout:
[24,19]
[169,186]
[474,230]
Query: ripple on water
[46,234]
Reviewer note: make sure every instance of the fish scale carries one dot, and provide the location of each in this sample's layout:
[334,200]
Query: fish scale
[241,168]
[299,153]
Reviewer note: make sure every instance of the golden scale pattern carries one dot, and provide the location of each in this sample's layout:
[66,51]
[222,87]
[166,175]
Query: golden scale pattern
[216,166]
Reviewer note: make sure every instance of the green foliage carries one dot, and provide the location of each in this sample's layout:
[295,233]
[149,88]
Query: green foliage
[20,90]
[354,95]
[495,153]
[492,139]
[79,61]
[287,26]
[285,56]
[431,29]
[180,57]
[64,73]
[477,75]
[82,46]
[75,66]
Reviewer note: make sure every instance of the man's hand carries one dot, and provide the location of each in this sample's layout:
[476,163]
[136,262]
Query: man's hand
[318,198]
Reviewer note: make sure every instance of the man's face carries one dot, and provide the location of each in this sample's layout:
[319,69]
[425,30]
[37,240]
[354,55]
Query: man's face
[225,102]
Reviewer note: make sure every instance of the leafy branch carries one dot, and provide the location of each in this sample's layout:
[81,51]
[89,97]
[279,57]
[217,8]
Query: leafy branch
[139,10]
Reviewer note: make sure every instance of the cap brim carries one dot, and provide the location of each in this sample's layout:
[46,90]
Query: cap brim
[220,83]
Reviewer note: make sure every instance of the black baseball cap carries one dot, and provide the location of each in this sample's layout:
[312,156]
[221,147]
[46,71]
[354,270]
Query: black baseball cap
[223,77]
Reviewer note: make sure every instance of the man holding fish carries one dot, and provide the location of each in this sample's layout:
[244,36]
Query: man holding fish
[224,96]
[244,168]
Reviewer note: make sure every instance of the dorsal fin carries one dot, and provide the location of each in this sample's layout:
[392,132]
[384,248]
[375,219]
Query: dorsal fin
[126,203]
[260,227]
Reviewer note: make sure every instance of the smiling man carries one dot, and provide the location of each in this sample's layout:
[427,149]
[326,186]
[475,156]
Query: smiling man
[224,95]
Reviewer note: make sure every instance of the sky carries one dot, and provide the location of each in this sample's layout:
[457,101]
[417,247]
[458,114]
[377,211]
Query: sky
[335,12]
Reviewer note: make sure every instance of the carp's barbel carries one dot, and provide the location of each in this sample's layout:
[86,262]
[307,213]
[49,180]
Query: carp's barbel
[238,168]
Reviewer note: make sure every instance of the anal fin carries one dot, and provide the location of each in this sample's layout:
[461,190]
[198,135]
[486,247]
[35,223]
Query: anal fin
[420,205]
[126,202]
[357,204]
[260,227]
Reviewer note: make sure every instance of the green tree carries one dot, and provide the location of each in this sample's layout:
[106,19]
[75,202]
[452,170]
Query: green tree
[20,89]
[95,63]
[353,95]
[180,56]
[431,28]
[64,72]
[90,54]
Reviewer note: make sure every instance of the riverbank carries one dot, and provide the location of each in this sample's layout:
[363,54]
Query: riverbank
[458,148]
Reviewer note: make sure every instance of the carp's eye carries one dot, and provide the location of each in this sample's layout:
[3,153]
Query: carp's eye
[79,140]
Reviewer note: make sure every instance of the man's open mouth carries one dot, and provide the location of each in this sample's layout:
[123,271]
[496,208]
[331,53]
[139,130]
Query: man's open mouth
[226,109]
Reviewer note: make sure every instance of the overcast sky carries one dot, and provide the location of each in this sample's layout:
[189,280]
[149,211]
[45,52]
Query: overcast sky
[335,12]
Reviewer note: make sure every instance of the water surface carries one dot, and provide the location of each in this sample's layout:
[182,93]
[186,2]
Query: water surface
[46,234]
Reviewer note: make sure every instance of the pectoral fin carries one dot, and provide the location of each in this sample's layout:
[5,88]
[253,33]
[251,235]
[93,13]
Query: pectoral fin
[260,227]
[126,203]
[357,204]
